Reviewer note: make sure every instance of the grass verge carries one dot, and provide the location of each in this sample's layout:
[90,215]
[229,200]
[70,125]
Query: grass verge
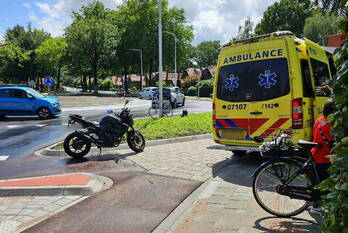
[193,124]
[171,127]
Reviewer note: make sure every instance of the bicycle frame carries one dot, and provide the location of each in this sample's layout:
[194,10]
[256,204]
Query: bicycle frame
[294,192]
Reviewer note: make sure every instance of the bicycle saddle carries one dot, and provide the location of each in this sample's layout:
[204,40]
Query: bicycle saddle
[308,145]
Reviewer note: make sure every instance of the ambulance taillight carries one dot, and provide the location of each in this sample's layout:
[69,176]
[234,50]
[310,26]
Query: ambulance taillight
[297,114]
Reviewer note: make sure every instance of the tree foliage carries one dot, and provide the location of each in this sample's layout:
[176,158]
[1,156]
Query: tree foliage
[319,26]
[335,202]
[245,31]
[18,53]
[50,58]
[92,40]
[285,15]
[336,214]
[12,63]
[206,53]
[140,22]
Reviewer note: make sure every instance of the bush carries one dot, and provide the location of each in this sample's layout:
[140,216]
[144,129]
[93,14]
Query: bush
[335,202]
[191,91]
[133,90]
[106,84]
[67,80]
[206,88]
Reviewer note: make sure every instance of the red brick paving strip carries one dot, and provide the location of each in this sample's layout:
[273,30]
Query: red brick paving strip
[60,180]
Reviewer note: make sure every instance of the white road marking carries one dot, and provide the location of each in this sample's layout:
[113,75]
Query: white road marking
[3,157]
[41,125]
[12,126]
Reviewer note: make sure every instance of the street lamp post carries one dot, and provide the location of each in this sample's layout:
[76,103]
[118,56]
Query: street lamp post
[141,67]
[160,56]
[175,73]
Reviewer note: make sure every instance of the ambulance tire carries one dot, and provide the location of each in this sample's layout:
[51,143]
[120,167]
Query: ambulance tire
[238,153]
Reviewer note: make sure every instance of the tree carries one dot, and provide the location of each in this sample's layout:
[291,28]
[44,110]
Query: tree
[245,31]
[333,6]
[336,7]
[287,15]
[12,62]
[206,53]
[319,26]
[27,41]
[92,41]
[50,58]
[140,22]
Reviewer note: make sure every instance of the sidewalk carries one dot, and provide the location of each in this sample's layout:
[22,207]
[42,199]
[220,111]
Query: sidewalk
[27,201]
[223,203]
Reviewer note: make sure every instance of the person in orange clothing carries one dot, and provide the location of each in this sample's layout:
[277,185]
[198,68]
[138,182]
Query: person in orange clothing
[322,134]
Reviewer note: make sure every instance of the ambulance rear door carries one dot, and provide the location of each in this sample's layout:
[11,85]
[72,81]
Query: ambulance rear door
[269,95]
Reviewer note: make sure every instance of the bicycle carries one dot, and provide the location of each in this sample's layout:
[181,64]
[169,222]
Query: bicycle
[154,110]
[283,186]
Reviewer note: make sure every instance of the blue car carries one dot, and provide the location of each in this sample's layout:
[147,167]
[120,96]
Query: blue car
[20,101]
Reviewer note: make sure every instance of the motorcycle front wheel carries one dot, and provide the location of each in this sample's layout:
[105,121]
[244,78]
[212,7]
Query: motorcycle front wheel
[136,141]
[76,146]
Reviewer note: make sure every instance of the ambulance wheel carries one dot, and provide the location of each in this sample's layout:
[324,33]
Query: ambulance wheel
[238,153]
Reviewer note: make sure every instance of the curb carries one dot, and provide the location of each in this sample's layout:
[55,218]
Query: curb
[49,152]
[96,184]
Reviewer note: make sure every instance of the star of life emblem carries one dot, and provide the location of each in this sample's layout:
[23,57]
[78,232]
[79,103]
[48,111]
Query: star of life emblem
[231,82]
[267,79]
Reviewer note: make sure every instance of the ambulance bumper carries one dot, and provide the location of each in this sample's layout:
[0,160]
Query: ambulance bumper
[242,148]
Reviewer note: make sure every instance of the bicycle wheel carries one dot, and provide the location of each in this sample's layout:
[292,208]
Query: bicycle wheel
[167,111]
[266,185]
[154,112]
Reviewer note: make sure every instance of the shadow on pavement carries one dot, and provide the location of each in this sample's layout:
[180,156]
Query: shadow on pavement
[25,118]
[100,158]
[238,169]
[276,224]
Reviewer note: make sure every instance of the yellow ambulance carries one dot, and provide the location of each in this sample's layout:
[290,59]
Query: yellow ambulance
[270,82]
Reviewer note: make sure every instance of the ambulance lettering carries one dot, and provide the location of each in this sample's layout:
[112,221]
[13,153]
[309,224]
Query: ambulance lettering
[257,55]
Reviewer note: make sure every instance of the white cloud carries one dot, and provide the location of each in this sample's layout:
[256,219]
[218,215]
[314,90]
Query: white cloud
[26,5]
[211,19]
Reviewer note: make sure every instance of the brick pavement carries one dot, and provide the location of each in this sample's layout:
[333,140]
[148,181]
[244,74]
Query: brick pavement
[20,212]
[227,205]
[187,160]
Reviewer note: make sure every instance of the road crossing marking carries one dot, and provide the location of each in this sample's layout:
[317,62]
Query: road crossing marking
[3,157]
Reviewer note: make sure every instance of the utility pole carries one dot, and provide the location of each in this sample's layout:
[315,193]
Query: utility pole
[141,67]
[160,56]
[175,73]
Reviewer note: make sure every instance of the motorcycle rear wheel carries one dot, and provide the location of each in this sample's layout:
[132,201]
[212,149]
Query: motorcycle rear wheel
[136,141]
[76,146]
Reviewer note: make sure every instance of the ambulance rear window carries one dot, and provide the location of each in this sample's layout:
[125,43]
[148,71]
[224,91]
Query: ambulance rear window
[254,81]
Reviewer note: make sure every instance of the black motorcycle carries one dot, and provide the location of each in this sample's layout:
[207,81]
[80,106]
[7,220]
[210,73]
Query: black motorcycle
[108,133]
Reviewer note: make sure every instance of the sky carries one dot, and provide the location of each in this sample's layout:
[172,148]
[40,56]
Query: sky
[211,19]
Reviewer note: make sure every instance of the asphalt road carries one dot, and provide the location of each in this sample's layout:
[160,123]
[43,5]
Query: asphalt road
[21,136]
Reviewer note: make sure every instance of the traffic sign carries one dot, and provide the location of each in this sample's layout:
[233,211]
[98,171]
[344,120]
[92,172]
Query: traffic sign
[48,81]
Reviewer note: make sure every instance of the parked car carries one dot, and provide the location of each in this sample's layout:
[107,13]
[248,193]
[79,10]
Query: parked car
[147,92]
[26,101]
[177,97]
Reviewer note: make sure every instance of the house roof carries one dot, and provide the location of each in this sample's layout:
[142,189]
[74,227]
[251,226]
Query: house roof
[335,40]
